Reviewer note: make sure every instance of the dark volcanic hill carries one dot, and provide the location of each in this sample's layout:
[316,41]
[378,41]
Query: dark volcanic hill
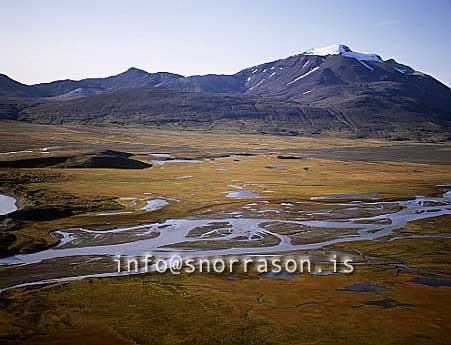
[69,89]
[162,108]
[107,159]
[333,76]
[12,88]
[330,89]
[354,84]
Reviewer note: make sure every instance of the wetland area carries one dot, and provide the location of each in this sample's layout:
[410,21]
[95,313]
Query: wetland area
[73,198]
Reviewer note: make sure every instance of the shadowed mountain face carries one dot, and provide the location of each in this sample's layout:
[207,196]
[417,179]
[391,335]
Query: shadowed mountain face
[162,108]
[131,78]
[336,79]
[68,89]
[12,88]
[359,93]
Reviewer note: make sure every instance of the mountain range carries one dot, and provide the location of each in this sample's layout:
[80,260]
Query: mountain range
[329,90]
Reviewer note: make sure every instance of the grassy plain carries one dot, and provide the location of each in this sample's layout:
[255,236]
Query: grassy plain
[212,309]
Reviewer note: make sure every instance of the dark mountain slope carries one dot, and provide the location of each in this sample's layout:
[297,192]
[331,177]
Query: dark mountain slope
[313,77]
[11,88]
[325,80]
[68,89]
[206,83]
[161,108]
[329,89]
[131,78]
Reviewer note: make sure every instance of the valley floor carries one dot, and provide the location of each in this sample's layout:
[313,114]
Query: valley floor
[399,293]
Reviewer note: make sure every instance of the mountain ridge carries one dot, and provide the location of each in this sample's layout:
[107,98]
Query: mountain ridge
[360,91]
[193,83]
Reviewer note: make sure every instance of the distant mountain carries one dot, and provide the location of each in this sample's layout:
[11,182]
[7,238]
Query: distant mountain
[10,88]
[336,76]
[359,93]
[240,113]
[331,76]
[212,83]
[163,108]
[68,89]
[131,78]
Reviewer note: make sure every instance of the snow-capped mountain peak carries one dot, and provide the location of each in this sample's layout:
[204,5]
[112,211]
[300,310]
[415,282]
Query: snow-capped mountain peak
[343,50]
[334,49]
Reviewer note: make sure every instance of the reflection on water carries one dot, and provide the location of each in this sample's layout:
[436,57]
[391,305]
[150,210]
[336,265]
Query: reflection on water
[160,155]
[280,275]
[245,235]
[344,196]
[242,194]
[364,288]
[7,204]
[430,282]
[159,162]
[155,204]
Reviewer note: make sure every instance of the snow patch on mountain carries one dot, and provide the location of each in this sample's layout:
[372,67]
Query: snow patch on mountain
[303,76]
[256,85]
[334,49]
[366,65]
[403,71]
[341,49]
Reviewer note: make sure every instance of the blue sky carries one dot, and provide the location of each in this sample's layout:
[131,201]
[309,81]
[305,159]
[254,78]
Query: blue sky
[47,40]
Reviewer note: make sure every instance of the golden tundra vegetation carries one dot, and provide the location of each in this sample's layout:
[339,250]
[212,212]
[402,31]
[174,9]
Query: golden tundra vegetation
[244,308]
